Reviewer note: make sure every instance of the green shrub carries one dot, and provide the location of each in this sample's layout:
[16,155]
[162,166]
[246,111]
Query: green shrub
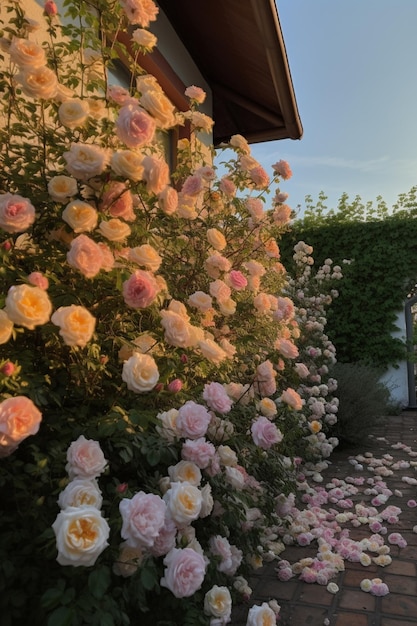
[363,402]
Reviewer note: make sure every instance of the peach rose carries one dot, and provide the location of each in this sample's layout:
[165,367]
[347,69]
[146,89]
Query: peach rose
[134,126]
[185,472]
[160,107]
[220,290]
[85,255]
[201,301]
[76,324]
[6,327]
[16,213]
[19,418]
[286,348]
[195,93]
[38,82]
[81,216]
[26,53]
[216,239]
[168,200]
[140,373]
[127,163]
[81,536]
[292,398]
[212,351]
[28,306]
[147,256]
[37,279]
[156,174]
[60,188]
[114,230]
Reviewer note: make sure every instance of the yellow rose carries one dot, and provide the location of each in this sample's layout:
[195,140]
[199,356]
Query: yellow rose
[6,327]
[28,306]
[81,216]
[76,324]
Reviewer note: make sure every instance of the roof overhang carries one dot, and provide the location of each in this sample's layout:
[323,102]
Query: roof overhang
[239,49]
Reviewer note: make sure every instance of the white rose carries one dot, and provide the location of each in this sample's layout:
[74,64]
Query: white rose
[81,216]
[115,230]
[81,535]
[185,471]
[261,615]
[74,112]
[227,456]
[208,502]
[140,373]
[201,301]
[144,38]
[85,161]
[184,503]
[218,602]
[177,329]
[80,492]
[60,188]
[168,425]
[234,478]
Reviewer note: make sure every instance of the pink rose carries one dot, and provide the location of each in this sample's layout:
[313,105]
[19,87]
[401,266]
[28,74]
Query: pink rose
[193,185]
[195,93]
[119,95]
[287,348]
[175,385]
[156,174]
[193,420]
[143,519]
[283,169]
[85,458]
[198,451]
[140,12]
[265,379]
[292,398]
[140,290]
[237,280]
[282,214]
[216,397]
[37,279]
[16,213]
[134,126]
[165,541]
[264,433]
[50,8]
[19,418]
[85,255]
[259,177]
[227,186]
[118,201]
[184,572]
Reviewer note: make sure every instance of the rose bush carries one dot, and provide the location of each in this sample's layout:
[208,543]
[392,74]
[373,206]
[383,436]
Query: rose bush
[154,400]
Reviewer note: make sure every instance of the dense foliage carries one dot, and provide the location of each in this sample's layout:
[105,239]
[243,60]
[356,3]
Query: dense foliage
[377,251]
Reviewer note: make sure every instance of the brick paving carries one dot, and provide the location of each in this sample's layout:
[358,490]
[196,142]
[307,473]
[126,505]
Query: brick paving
[304,604]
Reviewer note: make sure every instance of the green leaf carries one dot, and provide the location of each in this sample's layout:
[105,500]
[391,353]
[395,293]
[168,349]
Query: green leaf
[61,617]
[99,581]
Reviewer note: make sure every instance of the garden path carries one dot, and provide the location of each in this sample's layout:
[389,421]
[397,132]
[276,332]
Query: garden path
[311,604]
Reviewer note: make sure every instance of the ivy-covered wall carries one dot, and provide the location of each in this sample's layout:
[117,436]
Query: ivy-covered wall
[381,273]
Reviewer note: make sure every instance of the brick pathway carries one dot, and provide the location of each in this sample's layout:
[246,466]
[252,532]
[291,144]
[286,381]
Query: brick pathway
[304,604]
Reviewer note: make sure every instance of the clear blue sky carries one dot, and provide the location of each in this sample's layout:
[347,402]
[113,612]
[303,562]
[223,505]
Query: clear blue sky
[354,69]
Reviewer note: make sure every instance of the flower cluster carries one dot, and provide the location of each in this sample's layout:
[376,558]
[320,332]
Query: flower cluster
[150,344]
